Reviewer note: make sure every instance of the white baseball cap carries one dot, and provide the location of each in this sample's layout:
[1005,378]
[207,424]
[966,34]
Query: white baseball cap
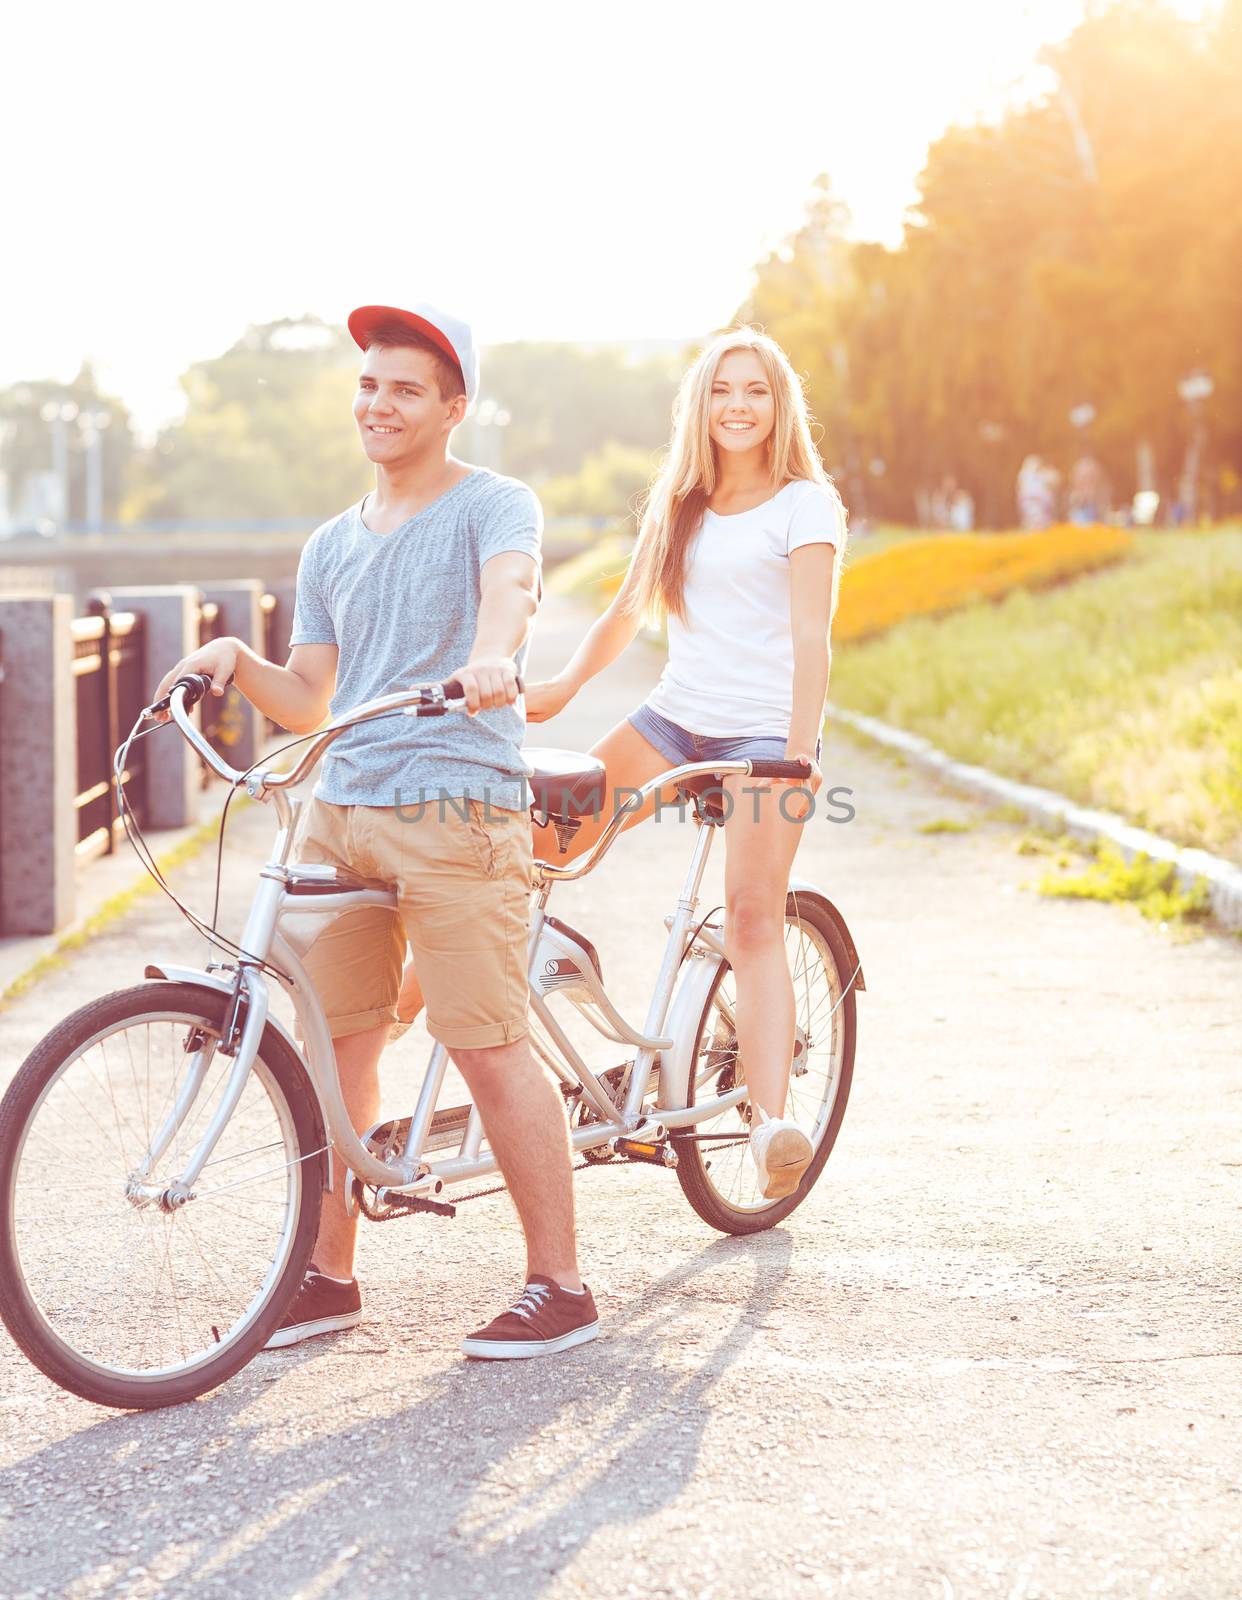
[448,333]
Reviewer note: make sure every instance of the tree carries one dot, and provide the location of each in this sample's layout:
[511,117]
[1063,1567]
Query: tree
[1082,250]
[610,483]
[567,402]
[267,431]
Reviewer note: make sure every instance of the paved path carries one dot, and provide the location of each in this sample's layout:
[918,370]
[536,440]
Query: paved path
[997,1353]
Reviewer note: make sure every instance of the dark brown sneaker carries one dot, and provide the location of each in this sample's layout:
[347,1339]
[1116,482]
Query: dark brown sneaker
[321,1305]
[544,1319]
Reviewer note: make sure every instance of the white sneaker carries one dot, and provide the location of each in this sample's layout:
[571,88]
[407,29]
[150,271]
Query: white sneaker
[782,1154]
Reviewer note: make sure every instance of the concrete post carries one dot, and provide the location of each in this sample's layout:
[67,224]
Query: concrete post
[175,782]
[242,728]
[38,774]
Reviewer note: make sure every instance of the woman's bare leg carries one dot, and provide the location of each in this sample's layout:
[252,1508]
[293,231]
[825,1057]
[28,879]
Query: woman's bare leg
[760,845]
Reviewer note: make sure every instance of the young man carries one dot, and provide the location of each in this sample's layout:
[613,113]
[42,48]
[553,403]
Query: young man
[434,575]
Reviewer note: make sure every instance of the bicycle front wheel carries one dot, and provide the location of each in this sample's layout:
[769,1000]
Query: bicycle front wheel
[112,1295]
[714,1163]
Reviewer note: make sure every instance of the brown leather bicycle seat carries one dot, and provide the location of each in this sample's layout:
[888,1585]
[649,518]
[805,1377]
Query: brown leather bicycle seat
[564,783]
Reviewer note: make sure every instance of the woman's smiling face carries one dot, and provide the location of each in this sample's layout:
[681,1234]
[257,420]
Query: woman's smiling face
[742,413]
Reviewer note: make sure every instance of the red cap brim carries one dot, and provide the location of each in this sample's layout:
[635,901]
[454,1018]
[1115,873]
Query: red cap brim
[364,321]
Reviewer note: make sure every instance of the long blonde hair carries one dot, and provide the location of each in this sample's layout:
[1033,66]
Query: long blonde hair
[678,496]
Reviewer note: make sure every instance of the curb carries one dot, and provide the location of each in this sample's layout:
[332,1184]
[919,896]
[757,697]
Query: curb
[1046,807]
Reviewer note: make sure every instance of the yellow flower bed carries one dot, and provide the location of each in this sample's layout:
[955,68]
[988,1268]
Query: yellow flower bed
[947,570]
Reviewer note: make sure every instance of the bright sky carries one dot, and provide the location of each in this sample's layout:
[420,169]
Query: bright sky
[550,170]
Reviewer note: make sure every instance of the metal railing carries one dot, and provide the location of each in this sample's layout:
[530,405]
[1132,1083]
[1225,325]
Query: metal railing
[111,672]
[109,668]
[210,626]
[115,659]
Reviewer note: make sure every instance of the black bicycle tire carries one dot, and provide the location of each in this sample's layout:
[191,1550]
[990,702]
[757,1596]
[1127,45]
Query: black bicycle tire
[696,1186]
[32,1335]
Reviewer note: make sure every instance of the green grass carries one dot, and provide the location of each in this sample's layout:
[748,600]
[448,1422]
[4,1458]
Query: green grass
[581,574]
[1152,886]
[1122,689]
[946,825]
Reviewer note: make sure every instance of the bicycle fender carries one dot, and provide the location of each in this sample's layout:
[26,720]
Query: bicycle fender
[681,1026]
[212,980]
[808,891]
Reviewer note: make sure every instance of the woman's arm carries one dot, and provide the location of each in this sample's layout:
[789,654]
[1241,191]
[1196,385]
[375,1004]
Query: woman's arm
[606,638]
[810,600]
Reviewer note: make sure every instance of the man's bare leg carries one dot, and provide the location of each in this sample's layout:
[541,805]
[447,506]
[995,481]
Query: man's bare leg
[524,1115]
[357,1060]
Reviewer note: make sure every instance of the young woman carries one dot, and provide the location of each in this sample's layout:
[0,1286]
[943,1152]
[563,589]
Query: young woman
[739,547]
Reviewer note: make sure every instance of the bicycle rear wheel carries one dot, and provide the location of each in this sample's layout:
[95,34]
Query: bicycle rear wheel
[716,1172]
[112,1296]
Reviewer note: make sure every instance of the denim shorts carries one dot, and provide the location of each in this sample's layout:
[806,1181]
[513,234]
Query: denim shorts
[680,747]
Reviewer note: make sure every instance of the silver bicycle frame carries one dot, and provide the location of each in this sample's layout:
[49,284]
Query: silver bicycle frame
[265,944]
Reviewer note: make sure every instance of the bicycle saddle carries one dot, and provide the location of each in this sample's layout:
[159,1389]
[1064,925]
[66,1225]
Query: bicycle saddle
[564,783]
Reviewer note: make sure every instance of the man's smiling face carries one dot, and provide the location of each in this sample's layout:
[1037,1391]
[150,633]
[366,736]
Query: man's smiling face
[399,409]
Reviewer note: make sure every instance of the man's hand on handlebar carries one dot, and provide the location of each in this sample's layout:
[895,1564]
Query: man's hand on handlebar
[217,661]
[488,682]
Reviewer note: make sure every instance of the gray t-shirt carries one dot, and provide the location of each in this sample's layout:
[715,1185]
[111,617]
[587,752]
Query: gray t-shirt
[402,609]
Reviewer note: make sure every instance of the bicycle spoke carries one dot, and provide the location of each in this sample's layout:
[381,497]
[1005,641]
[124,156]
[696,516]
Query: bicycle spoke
[727,1166]
[123,1284]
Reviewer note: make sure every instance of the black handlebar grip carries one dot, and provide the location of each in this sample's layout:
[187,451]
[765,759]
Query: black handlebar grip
[452,690]
[779,769]
[195,684]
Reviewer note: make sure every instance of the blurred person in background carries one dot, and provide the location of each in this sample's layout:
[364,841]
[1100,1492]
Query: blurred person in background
[962,511]
[1036,492]
[1090,494]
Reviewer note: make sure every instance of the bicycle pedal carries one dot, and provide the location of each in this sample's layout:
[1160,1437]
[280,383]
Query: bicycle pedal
[416,1202]
[656,1155]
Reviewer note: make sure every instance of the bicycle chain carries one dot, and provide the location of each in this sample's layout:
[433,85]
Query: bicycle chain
[481,1194]
[495,1189]
[582,1166]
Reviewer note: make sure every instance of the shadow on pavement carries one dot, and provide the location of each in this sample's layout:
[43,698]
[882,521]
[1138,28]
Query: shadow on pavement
[487,1484]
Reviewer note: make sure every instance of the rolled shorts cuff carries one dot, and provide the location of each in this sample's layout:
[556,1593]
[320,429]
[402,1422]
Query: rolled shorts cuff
[359,1021]
[481,1036]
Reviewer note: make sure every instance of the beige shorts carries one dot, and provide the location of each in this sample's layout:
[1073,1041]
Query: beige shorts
[463,895]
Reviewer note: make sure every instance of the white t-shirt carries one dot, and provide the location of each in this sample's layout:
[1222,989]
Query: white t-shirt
[731,663]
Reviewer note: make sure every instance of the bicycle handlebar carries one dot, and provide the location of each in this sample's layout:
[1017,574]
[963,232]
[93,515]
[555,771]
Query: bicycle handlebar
[780,769]
[687,773]
[422,700]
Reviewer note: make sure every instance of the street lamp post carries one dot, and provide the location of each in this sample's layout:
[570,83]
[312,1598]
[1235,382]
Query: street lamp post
[1194,389]
[93,426]
[60,413]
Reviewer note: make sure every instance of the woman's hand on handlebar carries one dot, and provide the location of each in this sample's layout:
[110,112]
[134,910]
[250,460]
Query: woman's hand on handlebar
[217,661]
[488,682]
[545,700]
[800,805]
